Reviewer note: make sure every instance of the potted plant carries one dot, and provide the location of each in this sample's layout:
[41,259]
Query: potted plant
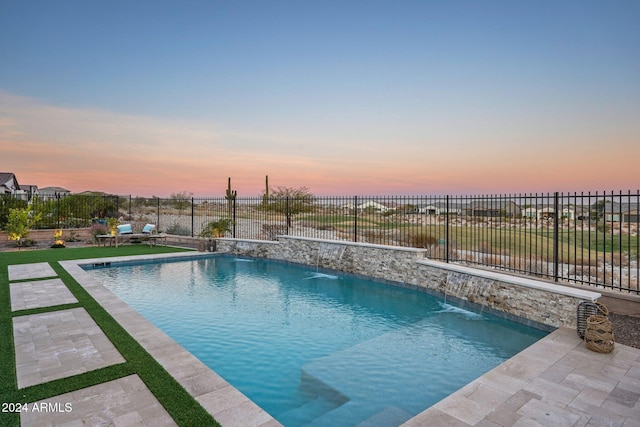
[217,228]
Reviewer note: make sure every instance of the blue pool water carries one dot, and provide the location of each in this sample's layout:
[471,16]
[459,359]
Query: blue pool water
[318,348]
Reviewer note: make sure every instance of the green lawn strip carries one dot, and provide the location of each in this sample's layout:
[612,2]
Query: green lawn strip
[60,386]
[7,361]
[185,410]
[30,311]
[49,255]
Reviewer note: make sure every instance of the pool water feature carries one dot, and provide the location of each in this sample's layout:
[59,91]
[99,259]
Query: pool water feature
[318,348]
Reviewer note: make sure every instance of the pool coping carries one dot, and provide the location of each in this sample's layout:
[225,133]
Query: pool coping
[556,288]
[490,397]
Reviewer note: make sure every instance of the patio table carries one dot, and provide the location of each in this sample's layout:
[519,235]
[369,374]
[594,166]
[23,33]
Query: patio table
[104,238]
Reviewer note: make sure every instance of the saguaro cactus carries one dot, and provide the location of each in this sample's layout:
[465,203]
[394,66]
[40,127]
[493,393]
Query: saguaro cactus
[230,196]
[265,197]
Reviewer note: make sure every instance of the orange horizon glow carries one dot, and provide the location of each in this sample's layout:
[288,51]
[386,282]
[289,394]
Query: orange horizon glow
[95,150]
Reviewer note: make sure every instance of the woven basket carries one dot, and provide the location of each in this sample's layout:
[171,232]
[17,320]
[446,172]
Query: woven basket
[584,311]
[599,334]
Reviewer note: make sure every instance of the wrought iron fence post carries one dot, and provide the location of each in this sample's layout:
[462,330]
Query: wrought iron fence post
[286,214]
[355,218]
[234,217]
[446,226]
[58,209]
[158,214]
[556,237]
[192,216]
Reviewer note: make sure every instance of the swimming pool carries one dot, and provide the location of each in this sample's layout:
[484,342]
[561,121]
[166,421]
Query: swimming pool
[317,347]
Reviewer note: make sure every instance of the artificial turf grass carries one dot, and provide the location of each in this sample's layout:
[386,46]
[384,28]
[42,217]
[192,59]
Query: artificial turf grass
[30,311]
[184,409]
[8,381]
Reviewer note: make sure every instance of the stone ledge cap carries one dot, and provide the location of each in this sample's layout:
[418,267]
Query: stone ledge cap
[520,281]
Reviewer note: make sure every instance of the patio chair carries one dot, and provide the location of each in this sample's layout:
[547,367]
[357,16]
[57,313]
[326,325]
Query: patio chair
[149,229]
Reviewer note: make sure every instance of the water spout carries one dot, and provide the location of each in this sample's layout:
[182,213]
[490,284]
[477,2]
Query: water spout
[468,289]
[329,252]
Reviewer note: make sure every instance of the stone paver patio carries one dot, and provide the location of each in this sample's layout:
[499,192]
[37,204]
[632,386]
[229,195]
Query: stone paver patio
[41,293]
[59,344]
[30,271]
[122,402]
[555,382]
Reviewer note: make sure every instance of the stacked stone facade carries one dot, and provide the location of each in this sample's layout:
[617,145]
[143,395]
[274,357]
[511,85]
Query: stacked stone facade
[537,303]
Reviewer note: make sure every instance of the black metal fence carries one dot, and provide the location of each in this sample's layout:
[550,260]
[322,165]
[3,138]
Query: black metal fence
[585,238]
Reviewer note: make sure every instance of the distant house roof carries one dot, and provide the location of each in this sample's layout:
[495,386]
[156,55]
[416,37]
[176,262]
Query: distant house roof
[54,190]
[8,183]
[29,188]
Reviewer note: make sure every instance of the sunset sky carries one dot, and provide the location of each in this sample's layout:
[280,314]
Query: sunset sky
[343,97]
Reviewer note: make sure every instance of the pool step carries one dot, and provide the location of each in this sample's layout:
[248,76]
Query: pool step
[349,415]
[319,399]
[305,414]
[372,386]
[389,416]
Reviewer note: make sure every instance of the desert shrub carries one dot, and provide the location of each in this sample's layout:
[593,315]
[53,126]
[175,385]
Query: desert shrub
[535,266]
[608,277]
[178,230]
[423,240]
[486,248]
[492,260]
[372,236]
[272,231]
[98,228]
[440,252]
[72,236]
[584,272]
[586,262]
[325,227]
[620,260]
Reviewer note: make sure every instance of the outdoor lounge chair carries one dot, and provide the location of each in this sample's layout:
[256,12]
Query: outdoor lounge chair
[125,232]
[149,229]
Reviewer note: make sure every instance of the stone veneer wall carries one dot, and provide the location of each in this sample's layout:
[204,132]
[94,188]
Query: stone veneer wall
[524,300]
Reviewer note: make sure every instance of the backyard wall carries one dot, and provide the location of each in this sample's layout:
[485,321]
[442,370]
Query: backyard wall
[44,237]
[537,303]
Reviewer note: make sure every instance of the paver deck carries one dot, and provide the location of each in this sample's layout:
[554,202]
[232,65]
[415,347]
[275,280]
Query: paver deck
[555,382]
[59,344]
[38,294]
[123,402]
[30,271]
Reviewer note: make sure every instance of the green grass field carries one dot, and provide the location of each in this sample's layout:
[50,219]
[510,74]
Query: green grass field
[574,246]
[184,409]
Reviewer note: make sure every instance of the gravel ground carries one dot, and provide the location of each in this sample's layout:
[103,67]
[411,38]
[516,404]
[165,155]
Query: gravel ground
[626,329]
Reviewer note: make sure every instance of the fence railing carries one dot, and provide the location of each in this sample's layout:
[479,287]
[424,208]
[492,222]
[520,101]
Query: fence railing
[584,238]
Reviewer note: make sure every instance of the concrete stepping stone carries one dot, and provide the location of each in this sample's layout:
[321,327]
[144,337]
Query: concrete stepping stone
[123,402]
[30,271]
[41,293]
[59,344]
